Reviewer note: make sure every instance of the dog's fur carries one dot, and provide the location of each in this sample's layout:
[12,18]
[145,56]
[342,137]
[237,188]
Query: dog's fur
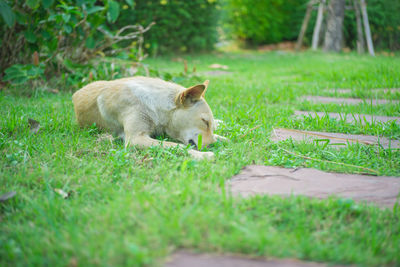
[140,107]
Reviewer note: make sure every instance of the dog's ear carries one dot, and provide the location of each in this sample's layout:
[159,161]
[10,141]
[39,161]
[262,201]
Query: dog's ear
[191,95]
[205,89]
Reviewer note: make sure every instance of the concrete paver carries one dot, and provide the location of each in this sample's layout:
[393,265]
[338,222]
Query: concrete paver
[255,179]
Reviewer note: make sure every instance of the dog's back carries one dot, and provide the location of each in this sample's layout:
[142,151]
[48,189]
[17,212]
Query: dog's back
[149,95]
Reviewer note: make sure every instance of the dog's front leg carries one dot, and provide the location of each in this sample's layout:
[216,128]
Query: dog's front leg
[144,141]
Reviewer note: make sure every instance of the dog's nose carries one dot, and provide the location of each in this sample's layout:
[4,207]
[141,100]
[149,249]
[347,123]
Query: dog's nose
[191,142]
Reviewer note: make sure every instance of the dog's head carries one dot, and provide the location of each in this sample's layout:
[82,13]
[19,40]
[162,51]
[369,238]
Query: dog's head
[192,117]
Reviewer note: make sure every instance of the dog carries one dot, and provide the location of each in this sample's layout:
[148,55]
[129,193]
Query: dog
[138,108]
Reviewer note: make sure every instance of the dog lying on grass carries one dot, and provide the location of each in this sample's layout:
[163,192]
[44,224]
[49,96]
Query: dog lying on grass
[140,107]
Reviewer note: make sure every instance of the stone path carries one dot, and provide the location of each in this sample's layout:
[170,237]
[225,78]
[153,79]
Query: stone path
[188,259]
[349,117]
[255,179]
[280,134]
[378,90]
[348,101]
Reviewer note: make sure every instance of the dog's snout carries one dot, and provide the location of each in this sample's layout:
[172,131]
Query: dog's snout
[191,142]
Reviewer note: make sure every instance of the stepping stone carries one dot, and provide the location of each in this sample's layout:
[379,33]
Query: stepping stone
[349,117]
[255,179]
[280,134]
[349,101]
[187,259]
[378,90]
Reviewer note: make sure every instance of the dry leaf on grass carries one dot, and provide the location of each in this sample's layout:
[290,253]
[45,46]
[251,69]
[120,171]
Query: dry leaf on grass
[34,125]
[218,66]
[7,196]
[62,193]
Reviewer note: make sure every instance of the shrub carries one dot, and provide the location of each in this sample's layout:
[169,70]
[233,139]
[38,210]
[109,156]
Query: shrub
[58,35]
[183,26]
[268,21]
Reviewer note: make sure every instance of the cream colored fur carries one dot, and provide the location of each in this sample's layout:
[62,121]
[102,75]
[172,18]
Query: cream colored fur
[140,107]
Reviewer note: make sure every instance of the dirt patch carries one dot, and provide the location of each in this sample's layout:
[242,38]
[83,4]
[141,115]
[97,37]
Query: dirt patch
[363,118]
[280,134]
[188,259]
[255,179]
[348,101]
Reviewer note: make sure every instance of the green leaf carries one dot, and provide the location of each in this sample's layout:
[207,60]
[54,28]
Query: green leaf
[66,17]
[47,3]
[21,18]
[15,74]
[113,11]
[7,14]
[46,35]
[33,4]
[30,36]
[130,2]
[67,29]
[90,43]
[94,9]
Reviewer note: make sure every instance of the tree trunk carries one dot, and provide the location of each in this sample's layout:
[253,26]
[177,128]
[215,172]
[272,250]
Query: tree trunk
[317,28]
[334,31]
[304,25]
[366,28]
[360,36]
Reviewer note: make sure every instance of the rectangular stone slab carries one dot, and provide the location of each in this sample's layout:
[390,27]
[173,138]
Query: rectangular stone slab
[188,259]
[256,179]
[349,117]
[378,90]
[347,101]
[280,134]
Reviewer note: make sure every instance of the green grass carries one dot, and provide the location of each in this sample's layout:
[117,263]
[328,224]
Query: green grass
[133,207]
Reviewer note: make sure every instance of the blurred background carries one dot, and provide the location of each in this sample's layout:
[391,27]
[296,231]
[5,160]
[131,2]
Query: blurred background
[43,38]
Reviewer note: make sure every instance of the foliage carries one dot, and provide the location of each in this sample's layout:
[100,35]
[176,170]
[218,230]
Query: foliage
[268,21]
[61,33]
[181,26]
[20,74]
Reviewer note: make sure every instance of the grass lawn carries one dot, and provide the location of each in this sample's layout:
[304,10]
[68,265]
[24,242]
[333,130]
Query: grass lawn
[134,208]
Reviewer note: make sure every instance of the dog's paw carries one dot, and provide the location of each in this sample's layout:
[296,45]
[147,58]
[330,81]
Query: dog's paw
[201,155]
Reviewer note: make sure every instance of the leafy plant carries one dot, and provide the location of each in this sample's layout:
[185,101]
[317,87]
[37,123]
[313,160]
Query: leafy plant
[268,21]
[19,74]
[62,33]
[181,26]
[7,14]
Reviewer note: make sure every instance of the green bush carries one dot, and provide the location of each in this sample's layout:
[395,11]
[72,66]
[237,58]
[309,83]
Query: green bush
[55,35]
[181,26]
[268,21]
